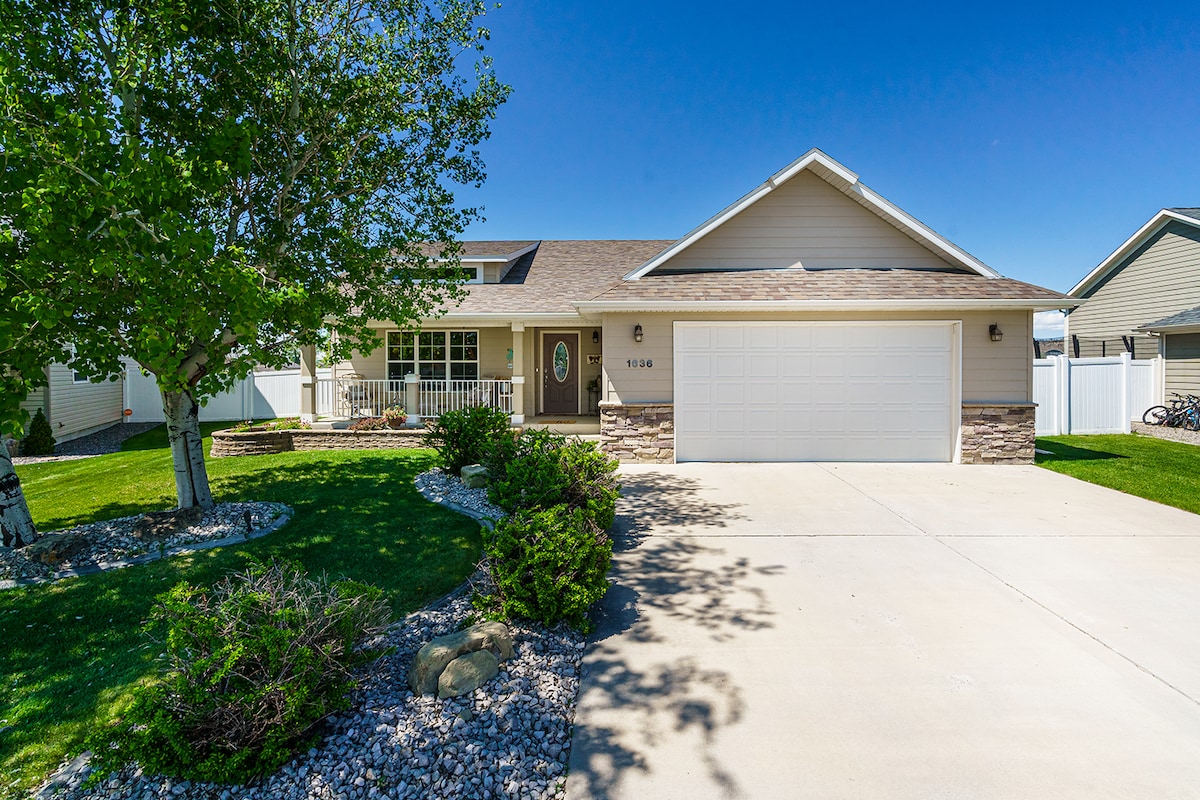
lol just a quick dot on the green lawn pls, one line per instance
(1166, 472)
(73, 649)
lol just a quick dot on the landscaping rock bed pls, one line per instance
(441, 487)
(510, 738)
(1170, 434)
(111, 542)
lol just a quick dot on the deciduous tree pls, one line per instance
(213, 182)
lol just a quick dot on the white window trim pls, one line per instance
(416, 361)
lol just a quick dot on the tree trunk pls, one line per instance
(16, 526)
(187, 449)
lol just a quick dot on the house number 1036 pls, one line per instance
(640, 362)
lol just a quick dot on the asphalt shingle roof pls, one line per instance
(829, 284)
(560, 273)
(1183, 318)
(1194, 213)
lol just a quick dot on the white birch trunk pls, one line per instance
(187, 449)
(16, 525)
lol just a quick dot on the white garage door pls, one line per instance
(814, 391)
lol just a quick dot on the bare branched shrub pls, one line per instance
(253, 665)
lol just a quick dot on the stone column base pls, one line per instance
(998, 433)
(638, 432)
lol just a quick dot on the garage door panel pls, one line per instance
(789, 392)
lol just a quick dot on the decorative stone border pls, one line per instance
(182, 549)
(257, 443)
(638, 432)
(1169, 434)
(998, 433)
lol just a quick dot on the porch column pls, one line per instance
(518, 368)
(308, 384)
(412, 396)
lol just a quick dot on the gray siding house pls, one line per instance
(1139, 298)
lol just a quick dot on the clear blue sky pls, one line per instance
(1037, 137)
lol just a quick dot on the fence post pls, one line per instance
(1126, 388)
(1062, 366)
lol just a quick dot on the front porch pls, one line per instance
(550, 376)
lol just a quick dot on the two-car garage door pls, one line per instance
(811, 391)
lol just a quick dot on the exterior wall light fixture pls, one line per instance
(637, 333)
(595, 337)
(995, 333)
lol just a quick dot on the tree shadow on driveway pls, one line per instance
(669, 588)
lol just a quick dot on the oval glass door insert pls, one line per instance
(562, 362)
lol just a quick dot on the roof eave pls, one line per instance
(618, 306)
(815, 158)
(1105, 267)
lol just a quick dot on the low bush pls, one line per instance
(369, 424)
(39, 441)
(541, 469)
(547, 565)
(252, 665)
(467, 436)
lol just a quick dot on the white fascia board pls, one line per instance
(695, 234)
(497, 320)
(1156, 223)
(627, 306)
(915, 226)
(502, 259)
(1168, 330)
(803, 162)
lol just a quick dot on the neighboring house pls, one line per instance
(1044, 348)
(809, 320)
(1138, 299)
(73, 405)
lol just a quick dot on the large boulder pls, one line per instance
(431, 659)
(467, 673)
(55, 548)
(474, 476)
(161, 524)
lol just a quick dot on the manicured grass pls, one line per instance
(1166, 472)
(73, 649)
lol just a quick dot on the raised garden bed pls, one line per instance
(262, 442)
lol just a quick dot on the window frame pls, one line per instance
(410, 347)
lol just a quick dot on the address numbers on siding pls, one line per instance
(638, 363)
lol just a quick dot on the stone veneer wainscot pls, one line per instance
(638, 432)
(998, 433)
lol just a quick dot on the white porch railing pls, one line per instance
(437, 397)
(357, 397)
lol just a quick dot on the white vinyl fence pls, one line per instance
(263, 395)
(1093, 395)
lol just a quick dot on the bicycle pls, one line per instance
(1184, 412)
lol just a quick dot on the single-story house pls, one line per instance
(1138, 299)
(811, 319)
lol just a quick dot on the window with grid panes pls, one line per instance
(433, 355)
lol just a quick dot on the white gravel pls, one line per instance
(508, 739)
(112, 541)
(438, 485)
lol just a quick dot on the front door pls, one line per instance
(560, 373)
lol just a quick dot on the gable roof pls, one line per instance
(1188, 216)
(845, 181)
(1184, 319)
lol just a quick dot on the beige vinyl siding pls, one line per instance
(35, 400)
(1182, 364)
(991, 371)
(1159, 279)
(77, 409)
(805, 222)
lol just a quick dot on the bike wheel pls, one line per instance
(1191, 420)
(1156, 415)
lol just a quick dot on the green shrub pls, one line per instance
(547, 565)
(39, 441)
(467, 436)
(540, 469)
(253, 665)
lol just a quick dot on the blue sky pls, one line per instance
(1037, 137)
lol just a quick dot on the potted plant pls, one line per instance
(395, 417)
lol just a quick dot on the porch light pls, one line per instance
(595, 337)
(995, 332)
(637, 333)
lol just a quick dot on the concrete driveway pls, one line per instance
(892, 631)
